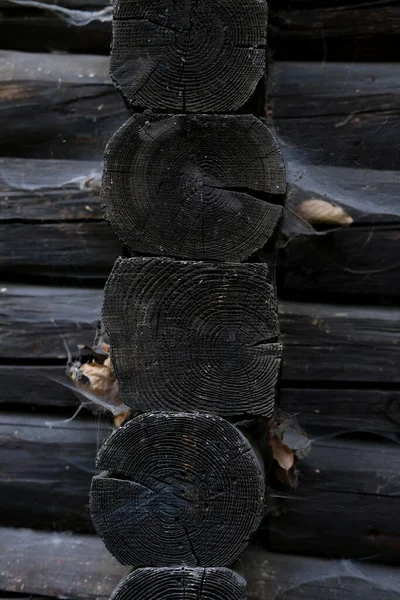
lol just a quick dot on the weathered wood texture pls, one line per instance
(78, 567)
(164, 473)
(184, 187)
(36, 386)
(212, 583)
(46, 468)
(32, 30)
(321, 342)
(345, 31)
(353, 410)
(55, 106)
(57, 564)
(188, 335)
(207, 57)
(346, 505)
(365, 260)
(285, 577)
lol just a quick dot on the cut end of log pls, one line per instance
(177, 488)
(181, 583)
(207, 57)
(195, 187)
(193, 335)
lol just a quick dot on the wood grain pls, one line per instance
(163, 474)
(322, 342)
(78, 567)
(193, 335)
(182, 186)
(207, 57)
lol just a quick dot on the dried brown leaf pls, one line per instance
(283, 455)
(316, 211)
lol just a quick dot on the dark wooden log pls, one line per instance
(49, 190)
(57, 564)
(346, 503)
(285, 577)
(354, 410)
(78, 567)
(166, 473)
(321, 342)
(325, 342)
(372, 410)
(42, 322)
(215, 57)
(184, 187)
(346, 31)
(57, 106)
(339, 88)
(36, 386)
(45, 470)
(363, 261)
(73, 250)
(32, 30)
(193, 335)
(212, 583)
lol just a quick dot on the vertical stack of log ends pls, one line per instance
(194, 186)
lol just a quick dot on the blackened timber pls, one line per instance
(322, 342)
(195, 187)
(207, 57)
(345, 409)
(45, 470)
(193, 335)
(79, 567)
(348, 492)
(174, 583)
(361, 262)
(163, 474)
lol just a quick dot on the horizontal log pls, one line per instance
(181, 186)
(309, 90)
(205, 340)
(75, 250)
(36, 386)
(345, 31)
(347, 497)
(57, 107)
(322, 342)
(74, 567)
(46, 468)
(165, 473)
(351, 410)
(78, 567)
(35, 190)
(372, 410)
(364, 260)
(41, 31)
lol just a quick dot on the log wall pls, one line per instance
(333, 103)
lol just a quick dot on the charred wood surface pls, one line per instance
(352, 410)
(46, 468)
(347, 497)
(163, 474)
(342, 31)
(207, 57)
(364, 260)
(212, 583)
(78, 567)
(186, 187)
(193, 335)
(322, 342)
